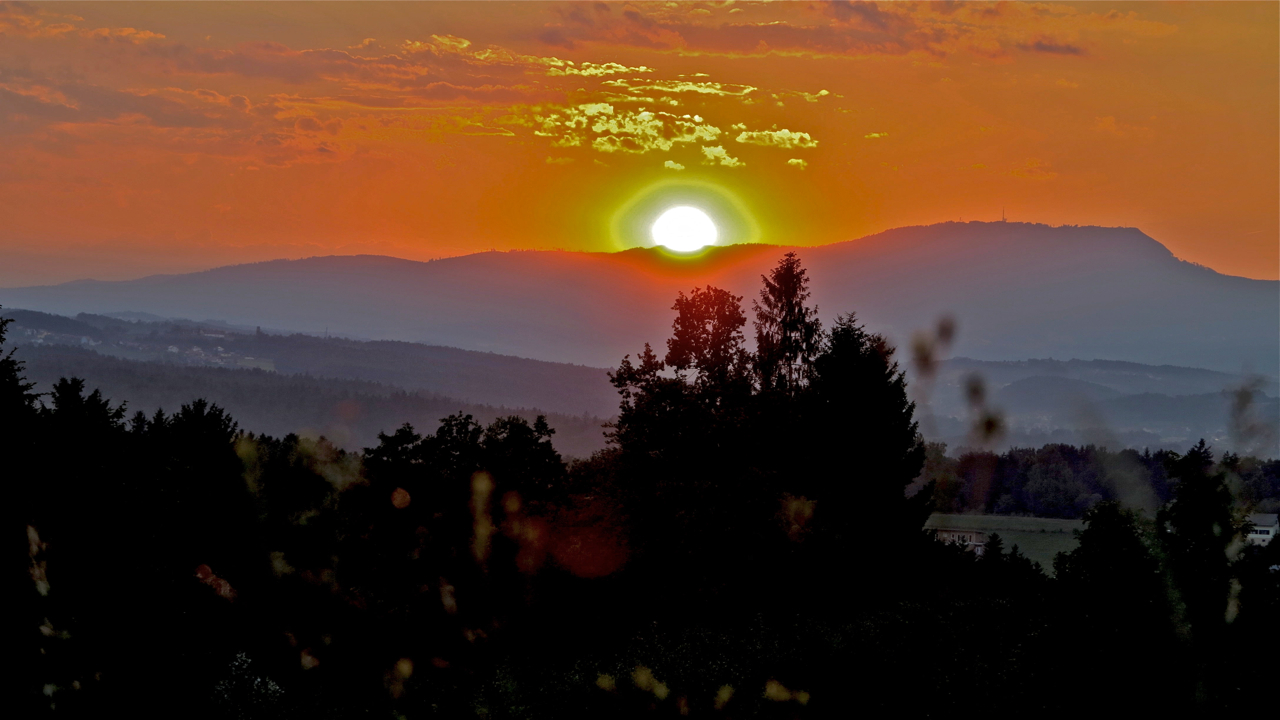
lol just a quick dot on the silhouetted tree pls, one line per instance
(1113, 573)
(867, 444)
(788, 331)
(17, 401)
(522, 460)
(1116, 601)
(707, 337)
(1200, 536)
(1197, 529)
(731, 479)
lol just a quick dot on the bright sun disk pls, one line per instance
(684, 229)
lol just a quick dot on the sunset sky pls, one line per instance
(154, 137)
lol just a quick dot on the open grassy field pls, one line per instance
(1037, 538)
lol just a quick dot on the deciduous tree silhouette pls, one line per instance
(707, 338)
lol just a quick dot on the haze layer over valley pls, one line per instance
(350, 390)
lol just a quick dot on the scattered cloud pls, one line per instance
(1051, 46)
(672, 165)
(607, 129)
(876, 135)
(442, 46)
(559, 160)
(23, 20)
(28, 21)
(593, 70)
(778, 138)
(716, 155)
(28, 100)
(797, 163)
(684, 86)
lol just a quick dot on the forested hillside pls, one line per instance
(349, 413)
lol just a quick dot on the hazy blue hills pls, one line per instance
(48, 322)
(1117, 405)
(465, 375)
(1093, 380)
(1017, 291)
(1029, 395)
(349, 412)
(350, 390)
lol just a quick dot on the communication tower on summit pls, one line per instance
(1002, 217)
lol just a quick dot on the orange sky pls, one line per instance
(158, 137)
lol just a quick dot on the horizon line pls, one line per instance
(692, 256)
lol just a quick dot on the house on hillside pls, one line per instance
(974, 541)
(1265, 527)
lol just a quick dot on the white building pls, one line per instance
(974, 541)
(1265, 527)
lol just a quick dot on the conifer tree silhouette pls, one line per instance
(788, 332)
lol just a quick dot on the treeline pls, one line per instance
(348, 412)
(1064, 481)
(745, 547)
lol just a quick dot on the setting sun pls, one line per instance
(684, 229)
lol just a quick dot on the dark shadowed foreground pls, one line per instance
(745, 547)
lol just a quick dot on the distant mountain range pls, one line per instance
(1016, 290)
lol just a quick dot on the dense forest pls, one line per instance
(749, 544)
(1063, 481)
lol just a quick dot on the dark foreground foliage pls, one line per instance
(744, 548)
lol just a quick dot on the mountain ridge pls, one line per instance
(1017, 290)
(1159, 248)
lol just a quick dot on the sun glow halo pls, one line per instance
(684, 229)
